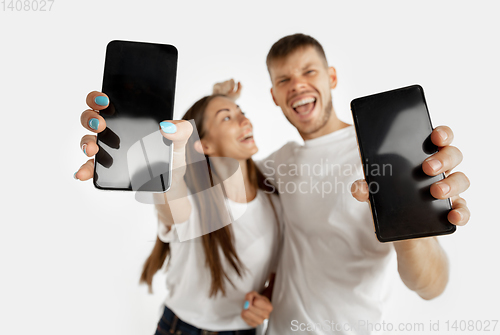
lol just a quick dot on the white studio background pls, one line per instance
(71, 255)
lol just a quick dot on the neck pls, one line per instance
(235, 184)
(333, 124)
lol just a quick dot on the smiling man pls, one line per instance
(333, 274)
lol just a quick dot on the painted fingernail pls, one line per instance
(435, 164)
(445, 188)
(101, 100)
(94, 123)
(443, 134)
(246, 305)
(168, 127)
(84, 148)
(74, 175)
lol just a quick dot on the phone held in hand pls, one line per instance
(139, 79)
(393, 131)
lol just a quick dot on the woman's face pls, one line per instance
(228, 133)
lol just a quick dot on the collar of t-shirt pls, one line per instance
(335, 136)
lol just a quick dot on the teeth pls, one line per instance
(247, 136)
(303, 102)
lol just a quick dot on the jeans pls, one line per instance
(170, 324)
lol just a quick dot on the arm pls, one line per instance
(422, 263)
(179, 135)
(423, 266)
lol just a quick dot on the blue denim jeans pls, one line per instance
(170, 324)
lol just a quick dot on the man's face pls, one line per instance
(302, 85)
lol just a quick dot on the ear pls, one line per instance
(274, 99)
(201, 147)
(332, 73)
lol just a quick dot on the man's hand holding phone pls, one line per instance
(445, 160)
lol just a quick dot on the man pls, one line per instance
(332, 276)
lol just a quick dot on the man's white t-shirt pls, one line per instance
(333, 274)
(256, 242)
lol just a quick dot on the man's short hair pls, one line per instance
(291, 43)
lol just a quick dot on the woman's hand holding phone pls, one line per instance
(91, 120)
(178, 131)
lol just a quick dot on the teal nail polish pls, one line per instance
(101, 100)
(247, 304)
(94, 123)
(168, 127)
(74, 175)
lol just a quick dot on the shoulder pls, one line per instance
(277, 156)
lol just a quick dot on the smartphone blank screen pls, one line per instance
(139, 79)
(393, 130)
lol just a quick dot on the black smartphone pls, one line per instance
(393, 131)
(139, 79)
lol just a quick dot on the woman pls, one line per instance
(213, 280)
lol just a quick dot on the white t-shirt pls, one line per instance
(333, 273)
(188, 278)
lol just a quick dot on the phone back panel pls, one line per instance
(393, 130)
(139, 79)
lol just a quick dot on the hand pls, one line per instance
(91, 120)
(228, 88)
(180, 131)
(258, 309)
(445, 160)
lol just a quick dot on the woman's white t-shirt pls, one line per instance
(256, 240)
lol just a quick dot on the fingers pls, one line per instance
(238, 88)
(229, 88)
(460, 213)
(225, 87)
(359, 190)
(89, 146)
(442, 136)
(91, 120)
(451, 186)
(445, 160)
(97, 100)
(178, 131)
(258, 308)
(86, 171)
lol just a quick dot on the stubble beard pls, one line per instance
(318, 124)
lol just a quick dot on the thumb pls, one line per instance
(178, 131)
(359, 190)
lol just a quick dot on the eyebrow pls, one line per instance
(308, 65)
(222, 110)
(226, 110)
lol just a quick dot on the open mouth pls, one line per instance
(247, 138)
(304, 106)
